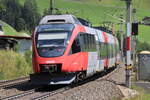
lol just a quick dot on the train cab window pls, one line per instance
(76, 46)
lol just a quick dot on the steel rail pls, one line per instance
(16, 96)
(48, 94)
(7, 83)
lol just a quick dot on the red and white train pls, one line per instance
(65, 51)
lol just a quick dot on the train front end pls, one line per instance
(49, 46)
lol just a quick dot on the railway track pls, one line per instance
(51, 93)
(8, 83)
(13, 97)
(26, 95)
(35, 94)
(48, 94)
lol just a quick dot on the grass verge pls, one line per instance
(13, 65)
(143, 95)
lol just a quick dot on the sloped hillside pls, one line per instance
(98, 11)
(8, 30)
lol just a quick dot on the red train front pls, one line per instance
(63, 51)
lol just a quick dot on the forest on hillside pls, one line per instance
(25, 15)
(21, 17)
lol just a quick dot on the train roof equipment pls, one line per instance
(49, 19)
(103, 29)
(85, 22)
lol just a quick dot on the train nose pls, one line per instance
(51, 68)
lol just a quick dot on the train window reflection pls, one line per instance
(48, 40)
(51, 44)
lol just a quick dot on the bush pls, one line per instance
(13, 65)
(142, 46)
(28, 57)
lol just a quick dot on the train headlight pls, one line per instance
(50, 68)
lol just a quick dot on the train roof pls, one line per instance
(59, 19)
(68, 18)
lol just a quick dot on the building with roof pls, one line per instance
(9, 41)
(146, 21)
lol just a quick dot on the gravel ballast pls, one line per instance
(101, 89)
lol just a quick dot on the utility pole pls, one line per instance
(128, 43)
(134, 38)
(122, 35)
(52, 7)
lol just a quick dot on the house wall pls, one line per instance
(24, 45)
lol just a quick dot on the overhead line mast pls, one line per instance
(52, 8)
(128, 43)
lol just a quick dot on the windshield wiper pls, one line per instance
(51, 46)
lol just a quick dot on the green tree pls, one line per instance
(20, 24)
(18, 16)
(142, 46)
(11, 11)
(46, 12)
(2, 10)
(30, 14)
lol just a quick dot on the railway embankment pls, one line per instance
(109, 87)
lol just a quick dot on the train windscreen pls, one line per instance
(52, 39)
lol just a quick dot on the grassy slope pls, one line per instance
(142, 96)
(8, 30)
(13, 65)
(97, 12)
(94, 9)
(144, 33)
(88, 9)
